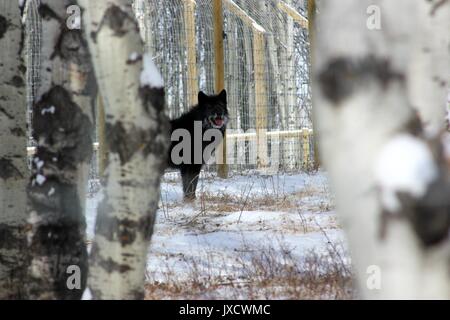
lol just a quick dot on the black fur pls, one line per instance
(209, 110)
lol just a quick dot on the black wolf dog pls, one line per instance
(210, 113)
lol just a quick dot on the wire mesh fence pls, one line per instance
(32, 55)
(266, 73)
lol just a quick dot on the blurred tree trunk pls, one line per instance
(391, 179)
(62, 127)
(13, 157)
(273, 58)
(137, 130)
(292, 109)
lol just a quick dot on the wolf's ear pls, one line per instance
(202, 97)
(223, 95)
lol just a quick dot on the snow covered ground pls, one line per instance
(240, 228)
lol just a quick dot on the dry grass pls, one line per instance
(222, 202)
(254, 271)
(264, 273)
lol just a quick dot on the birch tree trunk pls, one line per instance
(62, 127)
(391, 180)
(13, 157)
(273, 56)
(137, 129)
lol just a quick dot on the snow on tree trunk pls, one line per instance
(391, 189)
(13, 157)
(62, 127)
(137, 130)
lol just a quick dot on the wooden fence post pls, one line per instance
(294, 14)
(306, 149)
(311, 19)
(260, 99)
(221, 154)
(191, 52)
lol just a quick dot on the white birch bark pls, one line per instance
(62, 127)
(362, 81)
(13, 157)
(137, 131)
(287, 74)
(428, 71)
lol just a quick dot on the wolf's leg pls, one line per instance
(190, 176)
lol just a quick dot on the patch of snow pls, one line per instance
(150, 75)
(405, 164)
(216, 240)
(51, 192)
(133, 56)
(33, 218)
(51, 110)
(39, 164)
(40, 179)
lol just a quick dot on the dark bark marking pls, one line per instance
(111, 266)
(123, 230)
(8, 170)
(414, 126)
(6, 113)
(18, 132)
(4, 24)
(429, 215)
(342, 76)
(71, 46)
(436, 6)
(441, 82)
(17, 82)
(48, 13)
(11, 236)
(116, 19)
(127, 142)
(67, 130)
(154, 99)
(62, 206)
(59, 236)
(22, 69)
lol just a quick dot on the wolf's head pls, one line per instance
(215, 112)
